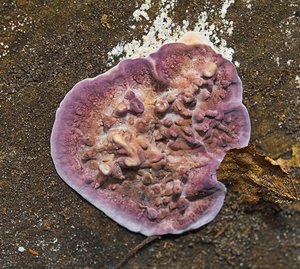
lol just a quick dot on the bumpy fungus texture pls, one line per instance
(143, 141)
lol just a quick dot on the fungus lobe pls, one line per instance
(143, 141)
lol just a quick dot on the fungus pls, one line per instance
(142, 142)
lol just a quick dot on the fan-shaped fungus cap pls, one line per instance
(142, 142)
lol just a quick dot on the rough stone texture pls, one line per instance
(67, 43)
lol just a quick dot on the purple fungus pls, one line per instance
(142, 142)
(136, 106)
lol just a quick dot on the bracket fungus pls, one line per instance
(142, 142)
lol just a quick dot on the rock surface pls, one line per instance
(54, 44)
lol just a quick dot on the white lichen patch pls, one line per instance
(276, 60)
(141, 12)
(163, 29)
(226, 5)
(21, 249)
(248, 4)
(237, 64)
(297, 79)
(4, 49)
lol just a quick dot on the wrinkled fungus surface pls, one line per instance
(142, 142)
